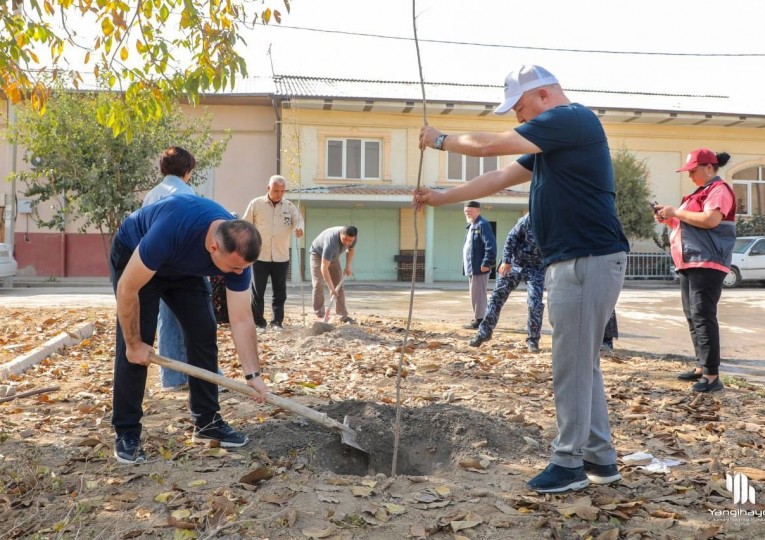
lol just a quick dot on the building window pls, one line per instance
(353, 158)
(749, 187)
(464, 168)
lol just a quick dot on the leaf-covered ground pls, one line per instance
(475, 425)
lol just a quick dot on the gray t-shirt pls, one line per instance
(328, 245)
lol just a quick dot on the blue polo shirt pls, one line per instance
(572, 200)
(170, 236)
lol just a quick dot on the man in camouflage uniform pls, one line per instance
(520, 259)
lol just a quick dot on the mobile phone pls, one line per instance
(654, 204)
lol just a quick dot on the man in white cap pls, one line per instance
(565, 155)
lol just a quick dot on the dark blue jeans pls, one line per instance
(261, 271)
(189, 299)
(700, 289)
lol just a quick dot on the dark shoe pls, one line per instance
(532, 347)
(127, 449)
(557, 479)
(705, 386)
(691, 375)
(220, 431)
(347, 320)
(601, 474)
(607, 345)
(477, 340)
(474, 324)
(276, 325)
(261, 327)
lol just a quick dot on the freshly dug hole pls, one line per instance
(432, 438)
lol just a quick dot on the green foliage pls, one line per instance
(750, 226)
(88, 175)
(633, 196)
(154, 51)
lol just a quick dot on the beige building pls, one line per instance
(349, 150)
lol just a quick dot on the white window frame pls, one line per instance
(344, 158)
(748, 183)
(481, 166)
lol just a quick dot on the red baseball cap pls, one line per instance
(702, 156)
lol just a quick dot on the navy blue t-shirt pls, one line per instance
(572, 200)
(170, 235)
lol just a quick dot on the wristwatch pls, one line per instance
(252, 375)
(439, 144)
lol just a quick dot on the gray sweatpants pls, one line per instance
(317, 279)
(478, 284)
(581, 294)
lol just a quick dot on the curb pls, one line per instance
(19, 365)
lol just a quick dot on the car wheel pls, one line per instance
(733, 279)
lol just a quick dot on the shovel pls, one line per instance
(347, 435)
(332, 299)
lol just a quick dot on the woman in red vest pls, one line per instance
(703, 234)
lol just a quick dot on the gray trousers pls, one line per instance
(478, 284)
(317, 280)
(581, 295)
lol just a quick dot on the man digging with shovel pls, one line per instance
(164, 250)
(325, 268)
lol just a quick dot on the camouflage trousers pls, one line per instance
(535, 282)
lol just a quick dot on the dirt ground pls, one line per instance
(475, 425)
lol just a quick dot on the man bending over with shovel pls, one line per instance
(325, 268)
(164, 250)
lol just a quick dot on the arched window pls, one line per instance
(749, 187)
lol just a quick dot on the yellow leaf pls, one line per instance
(124, 53)
(163, 497)
(181, 513)
(395, 508)
(107, 27)
(184, 534)
(197, 483)
(443, 490)
(359, 491)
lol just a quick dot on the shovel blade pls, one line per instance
(348, 436)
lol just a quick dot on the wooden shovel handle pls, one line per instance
(242, 388)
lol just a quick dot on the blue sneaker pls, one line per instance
(127, 449)
(557, 479)
(219, 430)
(601, 474)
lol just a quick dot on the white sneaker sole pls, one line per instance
(603, 480)
(573, 486)
(202, 439)
(127, 461)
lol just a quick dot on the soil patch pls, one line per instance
(475, 425)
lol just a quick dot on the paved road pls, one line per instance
(650, 315)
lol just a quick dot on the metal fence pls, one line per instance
(649, 266)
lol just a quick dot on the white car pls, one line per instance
(748, 261)
(8, 264)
